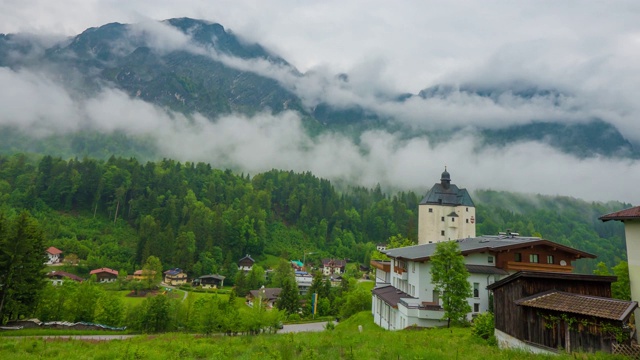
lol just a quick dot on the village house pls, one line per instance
(265, 296)
(404, 295)
(631, 219)
(54, 255)
(409, 298)
(304, 281)
(246, 263)
(209, 281)
(143, 274)
(58, 277)
(104, 275)
(175, 277)
(333, 267)
(542, 312)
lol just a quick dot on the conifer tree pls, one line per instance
(22, 258)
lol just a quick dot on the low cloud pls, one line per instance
(265, 141)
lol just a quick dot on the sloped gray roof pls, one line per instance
(485, 269)
(439, 195)
(485, 243)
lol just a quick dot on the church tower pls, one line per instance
(446, 213)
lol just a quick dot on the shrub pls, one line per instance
(483, 326)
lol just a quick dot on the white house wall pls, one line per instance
(431, 226)
(418, 284)
(632, 234)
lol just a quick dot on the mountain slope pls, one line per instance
(193, 66)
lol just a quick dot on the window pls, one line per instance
(476, 289)
(550, 259)
(442, 218)
(430, 210)
(533, 258)
(517, 257)
(442, 232)
(490, 259)
(467, 221)
(476, 307)
(467, 209)
(453, 219)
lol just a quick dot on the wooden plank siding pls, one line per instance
(507, 259)
(509, 316)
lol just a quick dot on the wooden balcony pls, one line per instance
(526, 266)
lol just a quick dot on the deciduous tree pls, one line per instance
(450, 277)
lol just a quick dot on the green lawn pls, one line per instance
(345, 342)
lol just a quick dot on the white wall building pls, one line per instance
(631, 219)
(446, 213)
(410, 298)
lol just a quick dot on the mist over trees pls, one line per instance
(117, 213)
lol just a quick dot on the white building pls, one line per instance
(631, 219)
(54, 255)
(410, 299)
(446, 213)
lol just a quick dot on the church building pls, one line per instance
(446, 213)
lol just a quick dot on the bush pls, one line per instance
(483, 326)
(330, 326)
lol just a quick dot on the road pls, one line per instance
(308, 327)
(293, 328)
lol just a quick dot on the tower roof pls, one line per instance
(445, 193)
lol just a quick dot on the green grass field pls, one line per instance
(345, 342)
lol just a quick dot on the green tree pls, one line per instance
(621, 289)
(450, 277)
(109, 309)
(289, 299)
(152, 272)
(22, 258)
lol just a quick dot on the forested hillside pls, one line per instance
(116, 213)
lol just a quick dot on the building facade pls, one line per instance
(631, 219)
(410, 298)
(446, 213)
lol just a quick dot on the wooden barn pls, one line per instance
(544, 312)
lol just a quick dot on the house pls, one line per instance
(143, 274)
(58, 277)
(331, 266)
(175, 277)
(631, 219)
(264, 296)
(381, 247)
(446, 213)
(544, 311)
(105, 275)
(383, 271)
(246, 263)
(304, 281)
(297, 265)
(209, 281)
(54, 255)
(407, 297)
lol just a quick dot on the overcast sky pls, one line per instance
(588, 49)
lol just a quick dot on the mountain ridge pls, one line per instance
(122, 56)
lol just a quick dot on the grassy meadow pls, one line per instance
(345, 342)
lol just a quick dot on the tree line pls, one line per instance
(118, 212)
